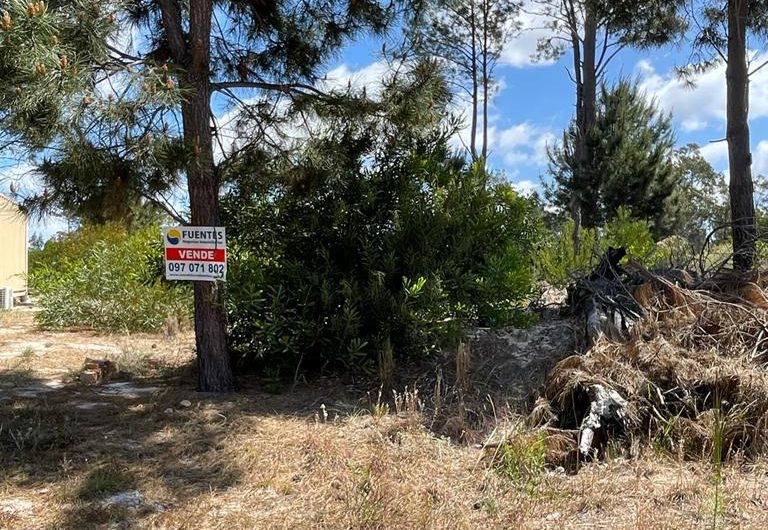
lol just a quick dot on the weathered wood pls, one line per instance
(606, 407)
(604, 301)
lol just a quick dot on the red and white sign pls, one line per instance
(195, 253)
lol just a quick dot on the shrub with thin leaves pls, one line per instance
(105, 278)
(558, 264)
(374, 237)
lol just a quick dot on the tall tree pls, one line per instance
(741, 188)
(724, 28)
(631, 162)
(595, 31)
(164, 74)
(467, 38)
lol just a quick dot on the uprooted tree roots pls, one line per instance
(668, 358)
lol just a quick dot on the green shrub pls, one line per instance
(557, 262)
(632, 234)
(371, 241)
(559, 265)
(105, 278)
(522, 458)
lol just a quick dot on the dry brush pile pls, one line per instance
(669, 359)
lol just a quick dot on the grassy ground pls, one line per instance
(321, 456)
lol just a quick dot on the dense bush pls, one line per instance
(103, 277)
(558, 264)
(375, 239)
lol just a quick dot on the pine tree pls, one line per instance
(631, 165)
(725, 29)
(467, 38)
(595, 31)
(189, 58)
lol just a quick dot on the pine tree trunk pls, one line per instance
(486, 80)
(473, 36)
(589, 104)
(193, 55)
(739, 156)
(584, 50)
(578, 143)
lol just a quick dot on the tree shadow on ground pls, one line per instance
(82, 445)
(87, 444)
(157, 437)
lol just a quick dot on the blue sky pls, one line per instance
(535, 103)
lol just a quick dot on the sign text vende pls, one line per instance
(197, 253)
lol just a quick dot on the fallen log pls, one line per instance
(672, 356)
(604, 301)
(607, 408)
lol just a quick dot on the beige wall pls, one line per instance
(13, 247)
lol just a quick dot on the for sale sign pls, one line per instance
(195, 253)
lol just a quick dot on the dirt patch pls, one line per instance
(512, 364)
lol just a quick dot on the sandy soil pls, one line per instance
(150, 452)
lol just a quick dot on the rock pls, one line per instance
(185, 403)
(554, 516)
(90, 405)
(132, 500)
(169, 411)
(126, 390)
(90, 377)
(103, 369)
(16, 506)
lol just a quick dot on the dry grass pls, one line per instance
(315, 458)
(693, 371)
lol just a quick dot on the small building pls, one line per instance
(13, 247)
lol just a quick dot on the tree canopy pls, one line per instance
(161, 107)
(631, 166)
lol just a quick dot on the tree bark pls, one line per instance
(193, 56)
(473, 36)
(588, 102)
(578, 144)
(743, 228)
(486, 80)
(586, 96)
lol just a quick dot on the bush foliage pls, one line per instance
(558, 264)
(106, 278)
(376, 238)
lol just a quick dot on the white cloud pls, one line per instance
(369, 77)
(521, 144)
(526, 187)
(703, 104)
(694, 107)
(716, 153)
(760, 159)
(520, 51)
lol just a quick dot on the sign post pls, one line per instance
(196, 253)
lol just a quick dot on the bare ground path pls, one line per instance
(150, 452)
